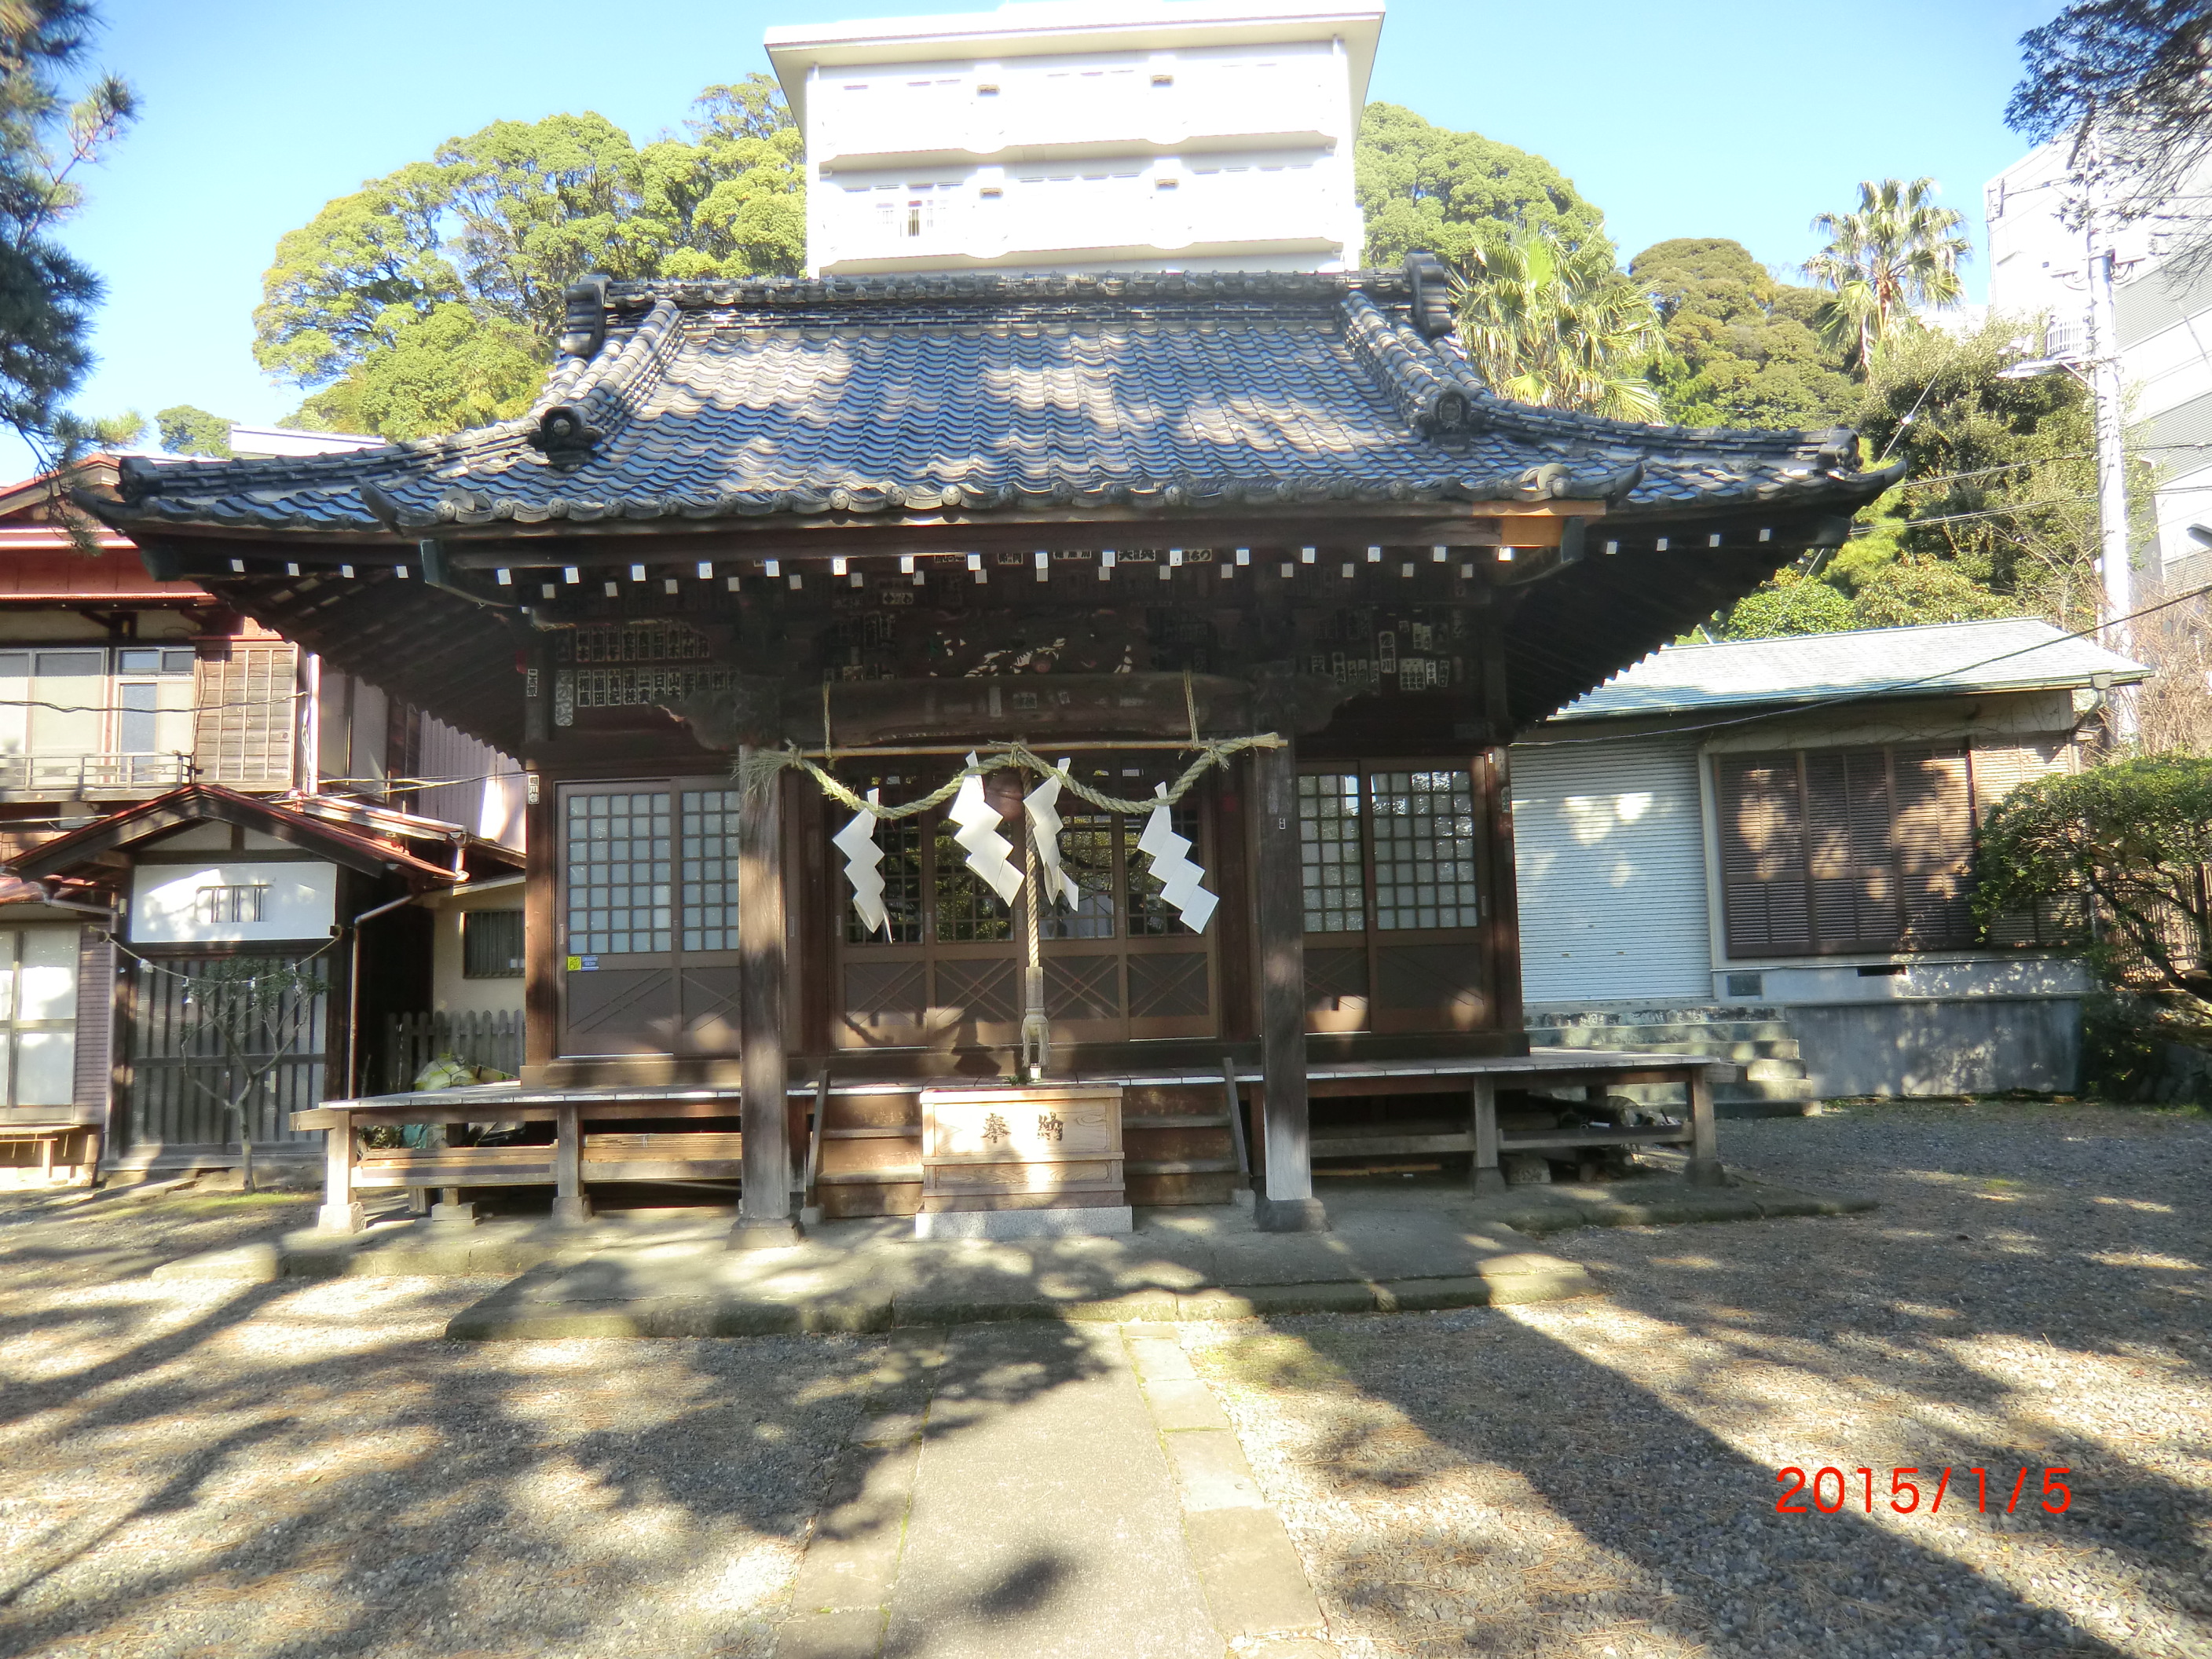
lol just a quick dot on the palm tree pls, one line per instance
(1897, 252)
(1559, 327)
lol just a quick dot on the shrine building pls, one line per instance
(960, 668)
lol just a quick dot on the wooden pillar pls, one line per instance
(1286, 1204)
(341, 1213)
(571, 1208)
(1484, 1177)
(1704, 1141)
(764, 1217)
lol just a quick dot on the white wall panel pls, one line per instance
(1608, 849)
(299, 900)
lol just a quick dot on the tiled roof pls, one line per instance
(714, 400)
(2010, 654)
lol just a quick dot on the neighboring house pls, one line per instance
(2163, 320)
(201, 873)
(117, 686)
(1193, 137)
(1729, 838)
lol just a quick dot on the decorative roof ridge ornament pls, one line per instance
(1430, 280)
(1422, 382)
(584, 326)
(564, 437)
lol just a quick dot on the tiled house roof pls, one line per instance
(702, 401)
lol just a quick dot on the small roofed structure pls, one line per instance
(833, 536)
(1768, 846)
(203, 874)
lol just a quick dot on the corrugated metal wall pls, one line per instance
(1608, 849)
(488, 801)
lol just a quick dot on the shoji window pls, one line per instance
(650, 917)
(1389, 856)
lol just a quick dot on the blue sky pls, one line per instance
(1704, 118)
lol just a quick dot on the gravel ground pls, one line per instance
(241, 1470)
(1598, 1478)
(288, 1470)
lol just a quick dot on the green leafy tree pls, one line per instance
(187, 429)
(1553, 324)
(124, 431)
(494, 227)
(1742, 349)
(1424, 188)
(1896, 251)
(1791, 604)
(2134, 835)
(1996, 515)
(255, 1011)
(2133, 78)
(2001, 475)
(446, 370)
(46, 295)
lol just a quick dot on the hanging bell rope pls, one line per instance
(757, 769)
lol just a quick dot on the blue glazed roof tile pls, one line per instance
(878, 396)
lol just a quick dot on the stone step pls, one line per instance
(1713, 1049)
(1646, 1036)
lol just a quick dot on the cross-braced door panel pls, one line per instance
(948, 927)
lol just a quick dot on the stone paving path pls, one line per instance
(1033, 1490)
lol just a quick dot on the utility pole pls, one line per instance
(2106, 390)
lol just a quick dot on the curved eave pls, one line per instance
(473, 513)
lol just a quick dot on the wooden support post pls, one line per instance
(1704, 1142)
(571, 1208)
(1287, 1204)
(1484, 1176)
(340, 1212)
(764, 1218)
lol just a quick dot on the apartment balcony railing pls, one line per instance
(56, 777)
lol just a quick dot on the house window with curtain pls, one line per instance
(1839, 851)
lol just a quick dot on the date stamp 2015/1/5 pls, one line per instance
(1904, 1494)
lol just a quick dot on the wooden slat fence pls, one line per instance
(413, 1041)
(167, 1057)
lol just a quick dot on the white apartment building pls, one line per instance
(2164, 324)
(1196, 135)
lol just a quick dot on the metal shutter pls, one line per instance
(1610, 861)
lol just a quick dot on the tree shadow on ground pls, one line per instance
(1977, 1320)
(310, 1468)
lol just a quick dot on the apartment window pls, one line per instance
(491, 945)
(229, 904)
(1829, 850)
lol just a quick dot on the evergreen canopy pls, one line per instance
(428, 300)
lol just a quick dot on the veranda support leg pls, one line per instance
(1485, 1176)
(1704, 1143)
(340, 1212)
(570, 1206)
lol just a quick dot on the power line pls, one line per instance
(2002, 512)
